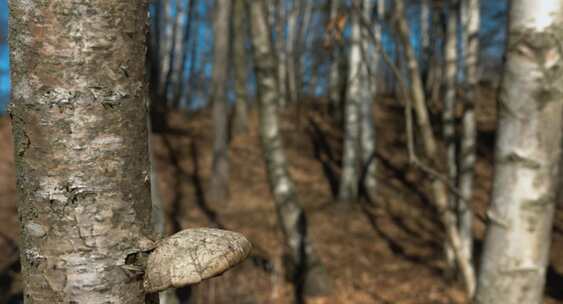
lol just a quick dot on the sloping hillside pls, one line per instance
(388, 251)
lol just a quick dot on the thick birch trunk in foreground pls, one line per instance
(431, 154)
(79, 124)
(219, 184)
(469, 125)
(303, 265)
(527, 155)
(348, 189)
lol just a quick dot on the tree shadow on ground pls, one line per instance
(323, 152)
(398, 247)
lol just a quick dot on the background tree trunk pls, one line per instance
(219, 184)
(302, 263)
(349, 178)
(240, 124)
(368, 93)
(469, 126)
(291, 48)
(79, 124)
(439, 189)
(281, 52)
(334, 80)
(176, 63)
(448, 114)
(166, 46)
(515, 256)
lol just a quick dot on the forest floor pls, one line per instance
(387, 251)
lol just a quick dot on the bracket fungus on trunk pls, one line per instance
(193, 255)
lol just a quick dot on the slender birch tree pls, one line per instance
(470, 22)
(219, 184)
(430, 148)
(291, 49)
(165, 47)
(280, 41)
(240, 124)
(527, 154)
(369, 92)
(448, 114)
(348, 189)
(302, 263)
(334, 80)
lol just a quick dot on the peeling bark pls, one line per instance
(79, 124)
(515, 256)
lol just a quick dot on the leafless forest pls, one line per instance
(271, 151)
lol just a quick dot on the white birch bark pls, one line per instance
(334, 81)
(469, 126)
(447, 216)
(367, 94)
(166, 44)
(448, 116)
(302, 264)
(527, 154)
(176, 62)
(291, 44)
(280, 43)
(348, 189)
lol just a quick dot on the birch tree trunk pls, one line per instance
(334, 80)
(513, 266)
(166, 45)
(176, 62)
(240, 124)
(291, 44)
(348, 189)
(469, 127)
(367, 94)
(180, 87)
(302, 263)
(282, 53)
(425, 21)
(79, 124)
(219, 184)
(439, 189)
(448, 116)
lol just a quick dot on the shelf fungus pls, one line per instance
(193, 255)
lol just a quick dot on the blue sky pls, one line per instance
(4, 61)
(493, 19)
